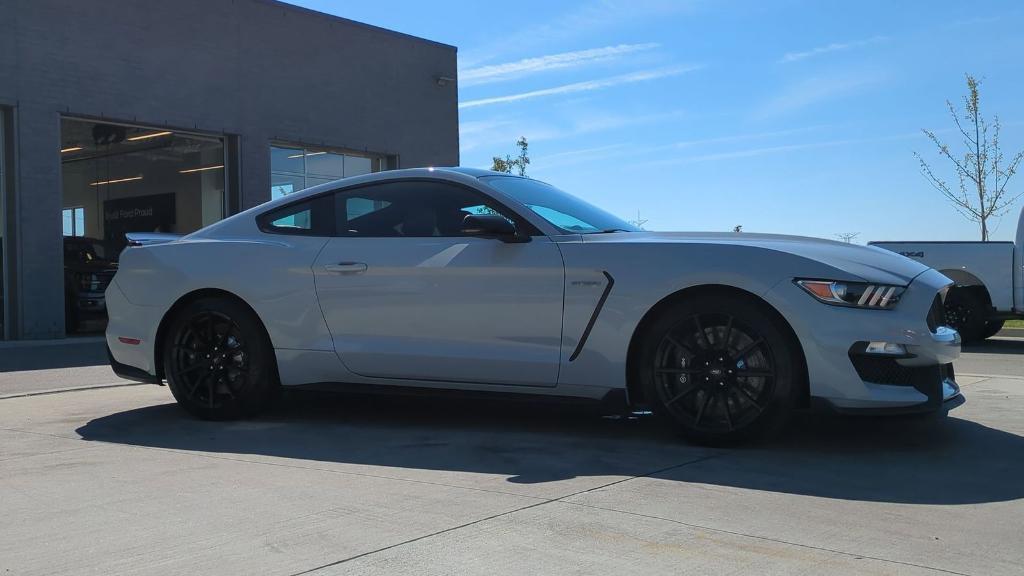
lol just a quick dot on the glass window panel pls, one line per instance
(296, 168)
(559, 208)
(286, 160)
(409, 209)
(285, 184)
(314, 181)
(79, 221)
(69, 223)
(355, 166)
(325, 164)
(298, 217)
(356, 207)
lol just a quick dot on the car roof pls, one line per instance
(447, 173)
(475, 172)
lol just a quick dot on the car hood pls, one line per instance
(92, 267)
(866, 263)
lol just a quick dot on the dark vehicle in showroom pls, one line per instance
(89, 265)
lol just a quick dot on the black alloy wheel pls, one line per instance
(217, 360)
(720, 369)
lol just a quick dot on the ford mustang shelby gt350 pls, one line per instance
(455, 278)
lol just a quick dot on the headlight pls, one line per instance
(855, 294)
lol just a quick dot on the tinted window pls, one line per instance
(311, 217)
(557, 207)
(411, 209)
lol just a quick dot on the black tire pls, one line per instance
(218, 360)
(719, 369)
(992, 327)
(965, 312)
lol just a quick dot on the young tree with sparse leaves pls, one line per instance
(520, 162)
(982, 172)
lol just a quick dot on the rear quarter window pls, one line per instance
(312, 217)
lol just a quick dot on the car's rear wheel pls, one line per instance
(965, 312)
(719, 369)
(992, 327)
(218, 360)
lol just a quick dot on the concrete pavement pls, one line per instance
(34, 367)
(114, 481)
(1001, 356)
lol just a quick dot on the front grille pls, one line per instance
(103, 280)
(883, 370)
(936, 314)
(879, 370)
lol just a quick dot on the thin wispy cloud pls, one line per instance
(580, 156)
(539, 64)
(743, 136)
(833, 47)
(633, 150)
(777, 149)
(586, 86)
(810, 91)
(589, 18)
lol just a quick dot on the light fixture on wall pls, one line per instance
(443, 80)
(148, 136)
(70, 149)
(203, 169)
(118, 181)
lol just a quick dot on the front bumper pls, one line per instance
(937, 383)
(843, 376)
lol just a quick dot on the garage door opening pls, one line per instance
(118, 179)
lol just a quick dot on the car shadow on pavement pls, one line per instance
(901, 460)
(995, 346)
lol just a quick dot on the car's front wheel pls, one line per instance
(218, 360)
(719, 368)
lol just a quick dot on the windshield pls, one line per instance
(84, 251)
(561, 209)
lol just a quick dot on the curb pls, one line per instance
(72, 341)
(1011, 332)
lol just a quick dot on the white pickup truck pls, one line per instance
(989, 279)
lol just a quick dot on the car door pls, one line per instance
(407, 295)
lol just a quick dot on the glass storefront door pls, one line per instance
(119, 179)
(3, 222)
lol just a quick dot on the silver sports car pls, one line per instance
(454, 278)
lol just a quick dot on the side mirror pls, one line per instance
(491, 226)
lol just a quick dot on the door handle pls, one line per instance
(346, 267)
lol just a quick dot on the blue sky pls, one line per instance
(788, 116)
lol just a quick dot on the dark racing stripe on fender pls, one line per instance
(594, 315)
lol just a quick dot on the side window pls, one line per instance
(311, 218)
(413, 209)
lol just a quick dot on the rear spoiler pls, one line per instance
(150, 238)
